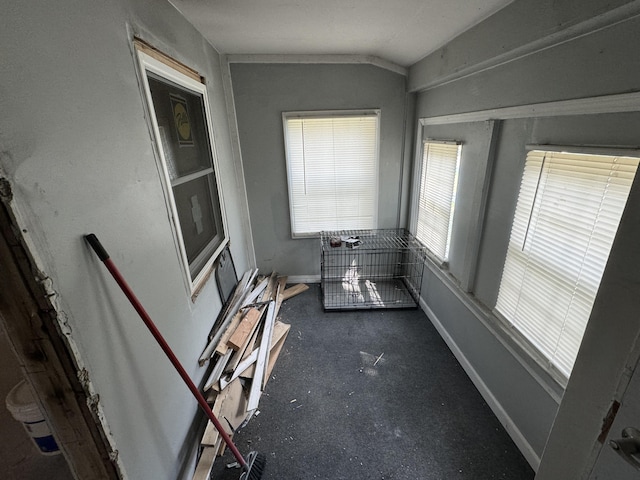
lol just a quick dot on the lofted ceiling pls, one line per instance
(398, 31)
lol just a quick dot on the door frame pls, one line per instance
(31, 322)
(607, 359)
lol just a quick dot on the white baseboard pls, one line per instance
(516, 435)
(303, 279)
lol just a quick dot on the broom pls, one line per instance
(253, 466)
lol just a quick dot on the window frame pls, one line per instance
(421, 162)
(166, 68)
(543, 360)
(330, 114)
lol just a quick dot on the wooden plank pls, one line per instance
(239, 355)
(255, 293)
(222, 346)
(217, 370)
(234, 407)
(243, 332)
(263, 355)
(210, 437)
(295, 290)
(276, 348)
(239, 372)
(236, 359)
(166, 59)
(238, 295)
(220, 447)
(234, 410)
(247, 368)
(248, 298)
(205, 464)
(280, 331)
(231, 409)
(251, 344)
(243, 291)
(271, 288)
(282, 285)
(223, 343)
(211, 396)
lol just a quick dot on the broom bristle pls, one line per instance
(255, 466)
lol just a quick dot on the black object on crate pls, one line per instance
(371, 269)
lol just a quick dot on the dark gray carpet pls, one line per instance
(331, 412)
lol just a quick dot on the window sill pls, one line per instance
(196, 286)
(303, 236)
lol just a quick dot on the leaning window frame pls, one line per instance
(147, 63)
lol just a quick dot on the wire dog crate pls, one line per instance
(367, 269)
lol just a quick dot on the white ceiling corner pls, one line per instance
(401, 32)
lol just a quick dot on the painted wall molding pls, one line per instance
(236, 150)
(620, 103)
(320, 59)
(292, 279)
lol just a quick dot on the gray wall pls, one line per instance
(510, 382)
(262, 92)
(75, 145)
(581, 65)
(526, 26)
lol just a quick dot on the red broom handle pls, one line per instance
(104, 257)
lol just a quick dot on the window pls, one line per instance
(181, 124)
(332, 170)
(566, 218)
(436, 203)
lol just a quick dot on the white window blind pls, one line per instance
(436, 204)
(566, 218)
(332, 167)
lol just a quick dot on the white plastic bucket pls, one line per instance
(21, 404)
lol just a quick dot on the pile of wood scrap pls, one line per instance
(243, 351)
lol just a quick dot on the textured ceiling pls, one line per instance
(401, 31)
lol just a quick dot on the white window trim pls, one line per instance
(149, 64)
(323, 114)
(484, 160)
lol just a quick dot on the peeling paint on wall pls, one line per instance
(93, 398)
